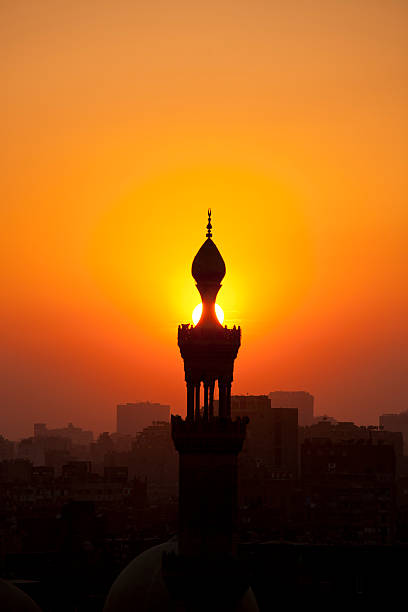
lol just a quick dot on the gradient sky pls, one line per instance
(122, 121)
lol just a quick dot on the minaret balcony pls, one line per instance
(187, 334)
(219, 435)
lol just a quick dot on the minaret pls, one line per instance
(198, 570)
(208, 443)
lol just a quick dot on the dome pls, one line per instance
(141, 586)
(13, 599)
(208, 265)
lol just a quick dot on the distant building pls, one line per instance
(153, 458)
(349, 491)
(78, 471)
(324, 417)
(122, 442)
(103, 446)
(30, 449)
(345, 431)
(116, 473)
(52, 451)
(42, 474)
(133, 418)
(249, 405)
(40, 430)
(301, 400)
(6, 449)
(397, 422)
(16, 471)
(322, 457)
(272, 434)
(78, 436)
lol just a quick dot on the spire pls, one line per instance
(209, 226)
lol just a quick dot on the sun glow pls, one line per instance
(199, 309)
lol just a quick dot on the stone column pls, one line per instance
(197, 401)
(228, 400)
(190, 401)
(222, 398)
(205, 414)
(211, 406)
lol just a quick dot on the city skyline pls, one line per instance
(302, 401)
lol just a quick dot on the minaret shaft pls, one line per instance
(208, 443)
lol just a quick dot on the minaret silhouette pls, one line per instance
(198, 569)
(208, 446)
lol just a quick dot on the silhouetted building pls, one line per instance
(301, 400)
(122, 442)
(397, 422)
(251, 406)
(324, 417)
(15, 470)
(99, 449)
(350, 491)
(78, 436)
(268, 464)
(133, 418)
(346, 431)
(56, 447)
(29, 448)
(116, 473)
(42, 474)
(40, 430)
(272, 435)
(6, 449)
(78, 471)
(322, 457)
(153, 458)
(51, 451)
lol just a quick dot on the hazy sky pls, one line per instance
(122, 121)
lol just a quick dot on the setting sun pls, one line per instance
(199, 309)
(148, 115)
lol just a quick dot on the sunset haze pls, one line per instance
(123, 122)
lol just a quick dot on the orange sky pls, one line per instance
(123, 121)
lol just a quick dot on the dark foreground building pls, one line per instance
(198, 569)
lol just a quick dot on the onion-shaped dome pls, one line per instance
(208, 264)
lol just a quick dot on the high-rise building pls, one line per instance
(132, 418)
(272, 435)
(302, 400)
